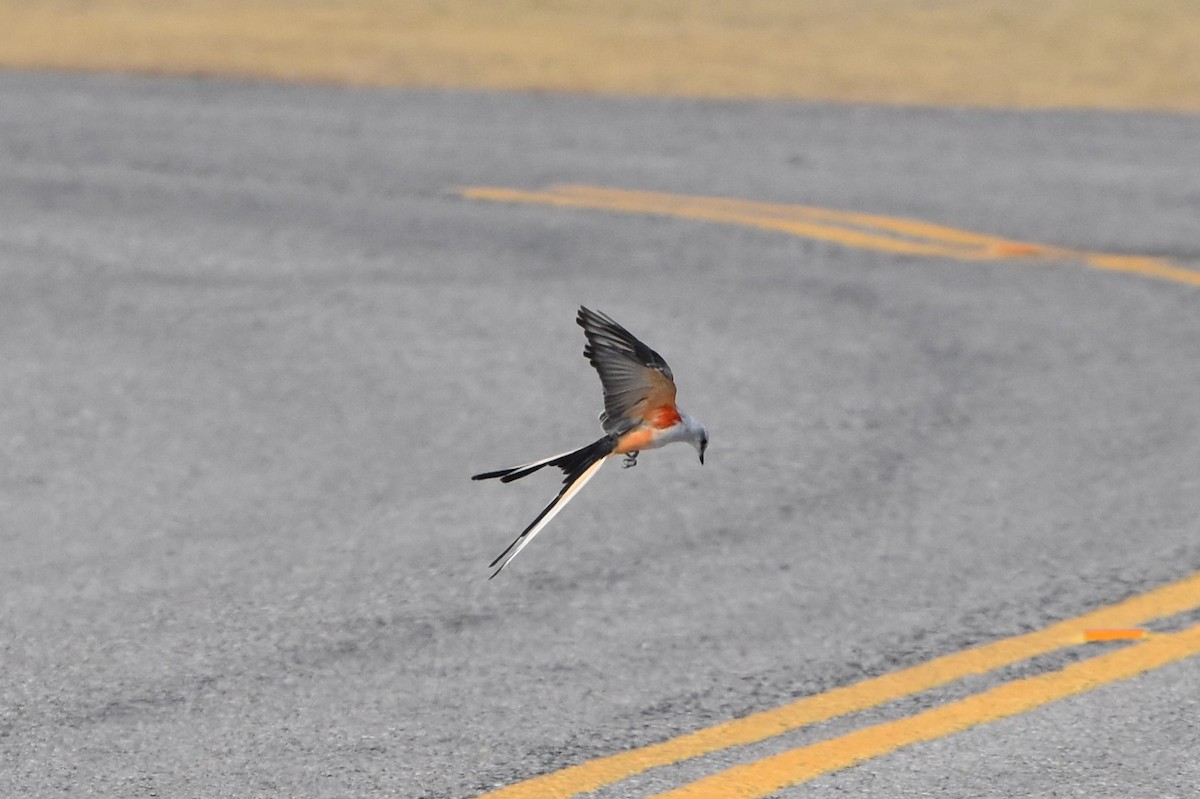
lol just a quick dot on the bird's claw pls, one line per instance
(630, 460)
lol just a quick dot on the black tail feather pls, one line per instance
(573, 464)
(490, 475)
(517, 474)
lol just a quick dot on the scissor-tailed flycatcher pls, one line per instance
(639, 413)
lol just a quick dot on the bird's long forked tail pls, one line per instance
(578, 466)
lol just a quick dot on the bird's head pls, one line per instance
(698, 435)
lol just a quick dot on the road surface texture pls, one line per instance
(254, 340)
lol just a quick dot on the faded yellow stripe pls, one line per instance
(1146, 267)
(1166, 601)
(772, 774)
(705, 210)
(906, 227)
(851, 229)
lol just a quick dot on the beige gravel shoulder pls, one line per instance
(1011, 53)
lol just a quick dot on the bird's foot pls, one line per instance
(630, 460)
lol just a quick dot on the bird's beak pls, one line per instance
(701, 458)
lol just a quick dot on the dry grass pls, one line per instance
(1025, 53)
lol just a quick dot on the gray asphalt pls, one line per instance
(252, 345)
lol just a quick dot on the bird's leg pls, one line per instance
(630, 460)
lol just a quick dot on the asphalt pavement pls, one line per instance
(253, 343)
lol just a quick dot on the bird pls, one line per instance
(639, 414)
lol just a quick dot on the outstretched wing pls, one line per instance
(638, 385)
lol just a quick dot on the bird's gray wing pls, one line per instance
(638, 384)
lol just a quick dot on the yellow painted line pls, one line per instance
(851, 229)
(764, 777)
(910, 228)
(593, 774)
(1146, 267)
(701, 209)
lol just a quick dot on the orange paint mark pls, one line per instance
(1093, 636)
(1019, 250)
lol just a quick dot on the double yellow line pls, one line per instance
(869, 231)
(763, 777)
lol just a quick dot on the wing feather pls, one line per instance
(637, 380)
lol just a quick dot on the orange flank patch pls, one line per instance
(663, 417)
(642, 436)
(635, 440)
